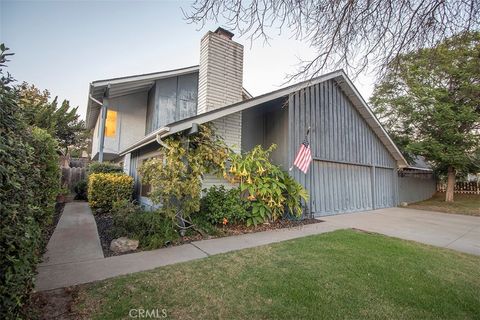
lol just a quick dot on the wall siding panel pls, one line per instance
(348, 156)
(416, 187)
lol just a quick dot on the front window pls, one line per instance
(111, 124)
(146, 188)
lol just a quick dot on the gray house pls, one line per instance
(356, 165)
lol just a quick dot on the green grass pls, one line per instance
(343, 274)
(468, 204)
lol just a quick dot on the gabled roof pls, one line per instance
(129, 85)
(339, 76)
(126, 85)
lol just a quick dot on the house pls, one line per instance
(355, 163)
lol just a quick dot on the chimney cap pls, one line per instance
(224, 32)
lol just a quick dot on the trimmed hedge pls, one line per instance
(29, 180)
(106, 188)
(104, 167)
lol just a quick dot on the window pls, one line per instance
(111, 123)
(146, 188)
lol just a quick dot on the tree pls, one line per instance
(431, 100)
(348, 34)
(62, 122)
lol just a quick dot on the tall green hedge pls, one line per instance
(29, 181)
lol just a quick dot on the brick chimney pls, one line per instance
(221, 71)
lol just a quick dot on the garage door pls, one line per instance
(340, 188)
(384, 188)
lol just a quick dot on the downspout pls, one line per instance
(159, 135)
(103, 119)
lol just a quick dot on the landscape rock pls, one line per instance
(404, 204)
(123, 244)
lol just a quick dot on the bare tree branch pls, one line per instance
(349, 34)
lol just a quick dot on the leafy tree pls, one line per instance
(432, 102)
(61, 121)
(348, 34)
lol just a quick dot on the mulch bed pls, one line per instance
(105, 231)
(279, 224)
(105, 227)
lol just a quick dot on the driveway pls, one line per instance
(453, 231)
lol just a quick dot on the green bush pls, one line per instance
(106, 188)
(151, 228)
(28, 183)
(104, 167)
(47, 182)
(219, 204)
(81, 190)
(271, 191)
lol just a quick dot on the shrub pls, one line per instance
(81, 190)
(47, 182)
(104, 167)
(28, 181)
(151, 228)
(219, 204)
(270, 190)
(106, 188)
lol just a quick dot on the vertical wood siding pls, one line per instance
(171, 100)
(352, 170)
(416, 187)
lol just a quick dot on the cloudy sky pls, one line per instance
(64, 45)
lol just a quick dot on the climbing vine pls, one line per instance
(176, 174)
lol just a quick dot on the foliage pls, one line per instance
(269, 189)
(176, 181)
(353, 35)
(431, 101)
(47, 181)
(104, 167)
(28, 181)
(221, 206)
(62, 122)
(81, 190)
(152, 229)
(106, 188)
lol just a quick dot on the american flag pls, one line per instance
(304, 157)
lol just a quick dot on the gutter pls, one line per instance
(154, 136)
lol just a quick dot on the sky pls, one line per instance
(62, 46)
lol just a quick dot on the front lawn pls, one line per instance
(343, 274)
(468, 204)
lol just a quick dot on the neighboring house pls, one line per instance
(355, 162)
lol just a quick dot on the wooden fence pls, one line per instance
(73, 171)
(461, 187)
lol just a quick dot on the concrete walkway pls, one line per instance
(68, 274)
(453, 231)
(457, 232)
(75, 238)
